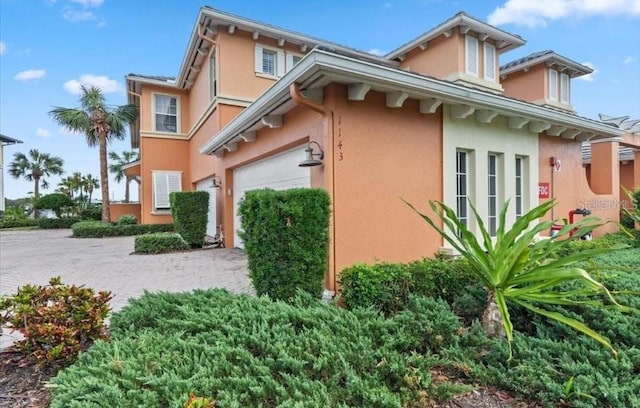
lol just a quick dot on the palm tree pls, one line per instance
(65, 186)
(89, 183)
(116, 168)
(35, 167)
(100, 124)
(76, 185)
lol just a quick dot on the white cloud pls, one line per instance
(589, 77)
(377, 51)
(3, 48)
(42, 132)
(538, 13)
(106, 84)
(88, 3)
(78, 15)
(629, 60)
(30, 74)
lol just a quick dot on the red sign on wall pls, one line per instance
(544, 190)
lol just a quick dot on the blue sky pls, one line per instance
(49, 47)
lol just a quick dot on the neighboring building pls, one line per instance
(434, 119)
(4, 141)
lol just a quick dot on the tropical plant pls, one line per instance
(100, 124)
(517, 266)
(89, 183)
(35, 166)
(66, 186)
(57, 202)
(118, 172)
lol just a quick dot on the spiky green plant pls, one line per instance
(518, 266)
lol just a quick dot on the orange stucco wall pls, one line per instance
(570, 186)
(442, 57)
(117, 210)
(627, 179)
(528, 86)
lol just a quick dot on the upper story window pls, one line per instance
(553, 84)
(269, 62)
(564, 88)
(292, 59)
(471, 55)
(165, 113)
(489, 62)
(212, 74)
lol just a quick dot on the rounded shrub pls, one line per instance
(127, 219)
(160, 242)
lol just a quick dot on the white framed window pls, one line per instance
(489, 62)
(165, 183)
(471, 55)
(270, 62)
(165, 113)
(564, 88)
(492, 194)
(519, 186)
(212, 74)
(553, 84)
(292, 60)
(462, 186)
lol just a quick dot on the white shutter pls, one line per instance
(471, 55)
(280, 68)
(289, 62)
(258, 59)
(553, 84)
(489, 62)
(564, 88)
(164, 183)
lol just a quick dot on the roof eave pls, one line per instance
(579, 69)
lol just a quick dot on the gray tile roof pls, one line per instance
(155, 77)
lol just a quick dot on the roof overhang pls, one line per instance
(321, 68)
(551, 60)
(504, 40)
(6, 140)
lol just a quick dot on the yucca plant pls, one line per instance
(516, 265)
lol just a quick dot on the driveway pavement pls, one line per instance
(107, 264)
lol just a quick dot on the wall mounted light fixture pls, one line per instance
(313, 159)
(216, 182)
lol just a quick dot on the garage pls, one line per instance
(207, 185)
(278, 172)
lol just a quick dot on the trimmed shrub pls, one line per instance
(97, 229)
(28, 222)
(386, 287)
(93, 212)
(243, 351)
(127, 219)
(55, 202)
(54, 223)
(57, 321)
(189, 210)
(160, 242)
(286, 239)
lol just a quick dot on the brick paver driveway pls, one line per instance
(107, 264)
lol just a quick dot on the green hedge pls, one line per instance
(286, 239)
(53, 223)
(189, 210)
(160, 242)
(97, 229)
(386, 287)
(127, 219)
(93, 212)
(29, 222)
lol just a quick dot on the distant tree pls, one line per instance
(35, 167)
(65, 186)
(89, 183)
(118, 172)
(100, 124)
(57, 202)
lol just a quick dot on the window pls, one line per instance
(492, 194)
(165, 183)
(471, 55)
(489, 62)
(292, 60)
(553, 84)
(269, 61)
(564, 88)
(519, 196)
(166, 113)
(212, 74)
(462, 181)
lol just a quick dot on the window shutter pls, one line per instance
(289, 62)
(489, 62)
(564, 88)
(553, 84)
(280, 64)
(258, 59)
(472, 55)
(164, 183)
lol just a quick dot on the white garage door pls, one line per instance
(278, 172)
(207, 185)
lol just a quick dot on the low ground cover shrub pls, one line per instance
(247, 352)
(57, 321)
(54, 223)
(28, 222)
(127, 219)
(97, 229)
(160, 242)
(93, 212)
(286, 238)
(189, 210)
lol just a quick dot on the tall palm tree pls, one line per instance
(35, 167)
(100, 124)
(90, 183)
(76, 184)
(116, 168)
(66, 186)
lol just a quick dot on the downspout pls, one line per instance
(298, 98)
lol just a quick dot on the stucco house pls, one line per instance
(4, 141)
(257, 106)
